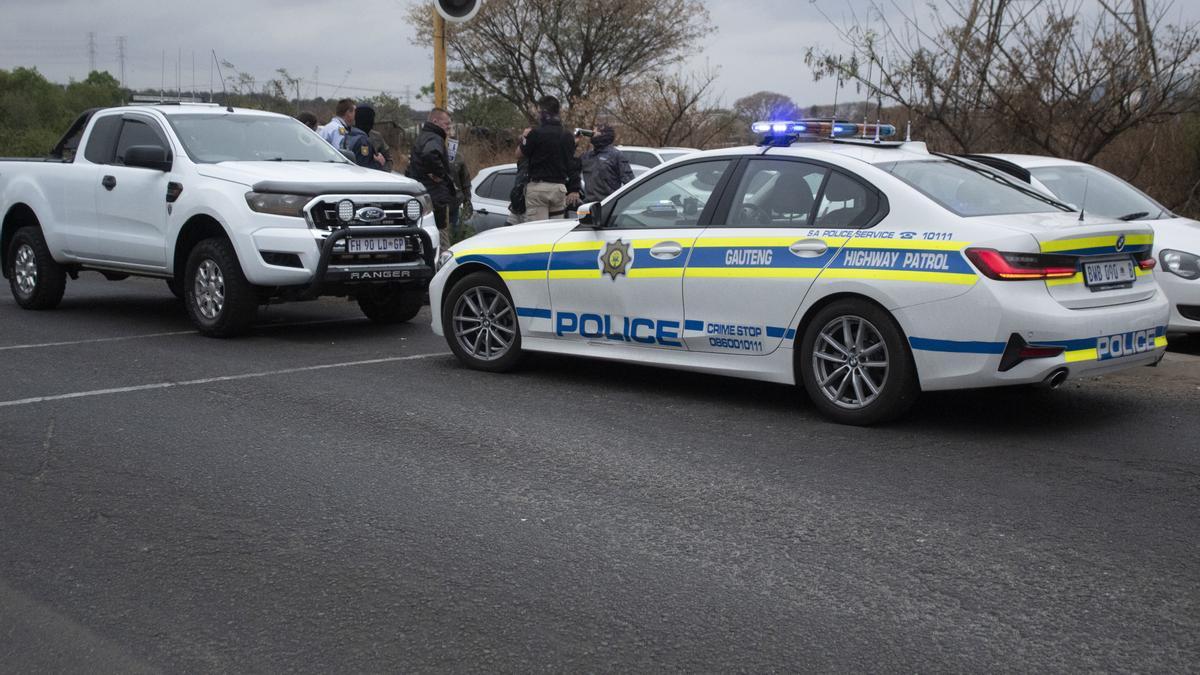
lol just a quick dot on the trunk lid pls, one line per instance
(1106, 255)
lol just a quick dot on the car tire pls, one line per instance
(36, 280)
(391, 306)
(174, 287)
(856, 365)
(220, 302)
(481, 302)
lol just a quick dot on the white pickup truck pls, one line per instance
(233, 208)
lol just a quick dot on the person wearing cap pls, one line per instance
(359, 142)
(604, 166)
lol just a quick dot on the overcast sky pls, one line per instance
(759, 44)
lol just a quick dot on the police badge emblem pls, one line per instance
(366, 152)
(615, 259)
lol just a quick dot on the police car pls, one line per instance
(1176, 239)
(864, 270)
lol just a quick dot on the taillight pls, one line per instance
(1007, 266)
(1147, 263)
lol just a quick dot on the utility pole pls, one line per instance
(121, 57)
(91, 52)
(439, 60)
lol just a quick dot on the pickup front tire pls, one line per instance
(220, 302)
(37, 282)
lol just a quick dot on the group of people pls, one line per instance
(550, 177)
(435, 161)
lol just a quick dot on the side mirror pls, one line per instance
(590, 214)
(148, 157)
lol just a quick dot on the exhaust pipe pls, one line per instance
(1055, 380)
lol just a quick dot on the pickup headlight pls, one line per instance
(278, 205)
(1180, 263)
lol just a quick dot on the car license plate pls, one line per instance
(1108, 273)
(376, 245)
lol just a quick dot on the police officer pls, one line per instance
(339, 127)
(604, 166)
(358, 141)
(429, 164)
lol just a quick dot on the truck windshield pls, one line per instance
(968, 189)
(209, 139)
(1098, 192)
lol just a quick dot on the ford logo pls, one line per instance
(1120, 243)
(370, 214)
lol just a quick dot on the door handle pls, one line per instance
(666, 251)
(809, 248)
(482, 212)
(109, 182)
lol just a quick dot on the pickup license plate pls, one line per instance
(1108, 273)
(376, 245)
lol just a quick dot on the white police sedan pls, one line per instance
(1176, 239)
(867, 271)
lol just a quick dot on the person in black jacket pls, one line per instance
(604, 167)
(359, 140)
(429, 164)
(553, 168)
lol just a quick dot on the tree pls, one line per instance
(521, 50)
(34, 112)
(1037, 75)
(672, 110)
(765, 105)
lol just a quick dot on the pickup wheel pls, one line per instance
(220, 302)
(479, 320)
(389, 306)
(37, 282)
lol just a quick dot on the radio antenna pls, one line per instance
(1084, 204)
(833, 117)
(878, 102)
(224, 92)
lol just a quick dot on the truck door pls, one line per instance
(131, 202)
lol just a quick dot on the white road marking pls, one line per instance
(94, 340)
(211, 380)
(144, 336)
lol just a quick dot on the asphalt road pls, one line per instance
(330, 496)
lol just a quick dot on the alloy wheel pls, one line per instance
(210, 289)
(850, 361)
(25, 269)
(484, 323)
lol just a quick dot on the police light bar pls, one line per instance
(828, 128)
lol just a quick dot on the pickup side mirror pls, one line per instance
(148, 157)
(590, 214)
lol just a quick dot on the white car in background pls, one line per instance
(864, 272)
(652, 157)
(1099, 193)
(490, 192)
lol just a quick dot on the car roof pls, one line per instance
(1033, 161)
(833, 152)
(183, 109)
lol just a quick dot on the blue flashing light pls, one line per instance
(780, 127)
(760, 127)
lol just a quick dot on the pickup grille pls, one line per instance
(323, 213)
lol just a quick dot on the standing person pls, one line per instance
(382, 147)
(604, 166)
(461, 209)
(429, 165)
(553, 168)
(358, 141)
(339, 127)
(308, 119)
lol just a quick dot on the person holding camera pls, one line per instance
(604, 167)
(553, 168)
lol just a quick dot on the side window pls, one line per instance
(135, 132)
(100, 143)
(777, 192)
(846, 203)
(643, 158)
(673, 198)
(485, 188)
(502, 185)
